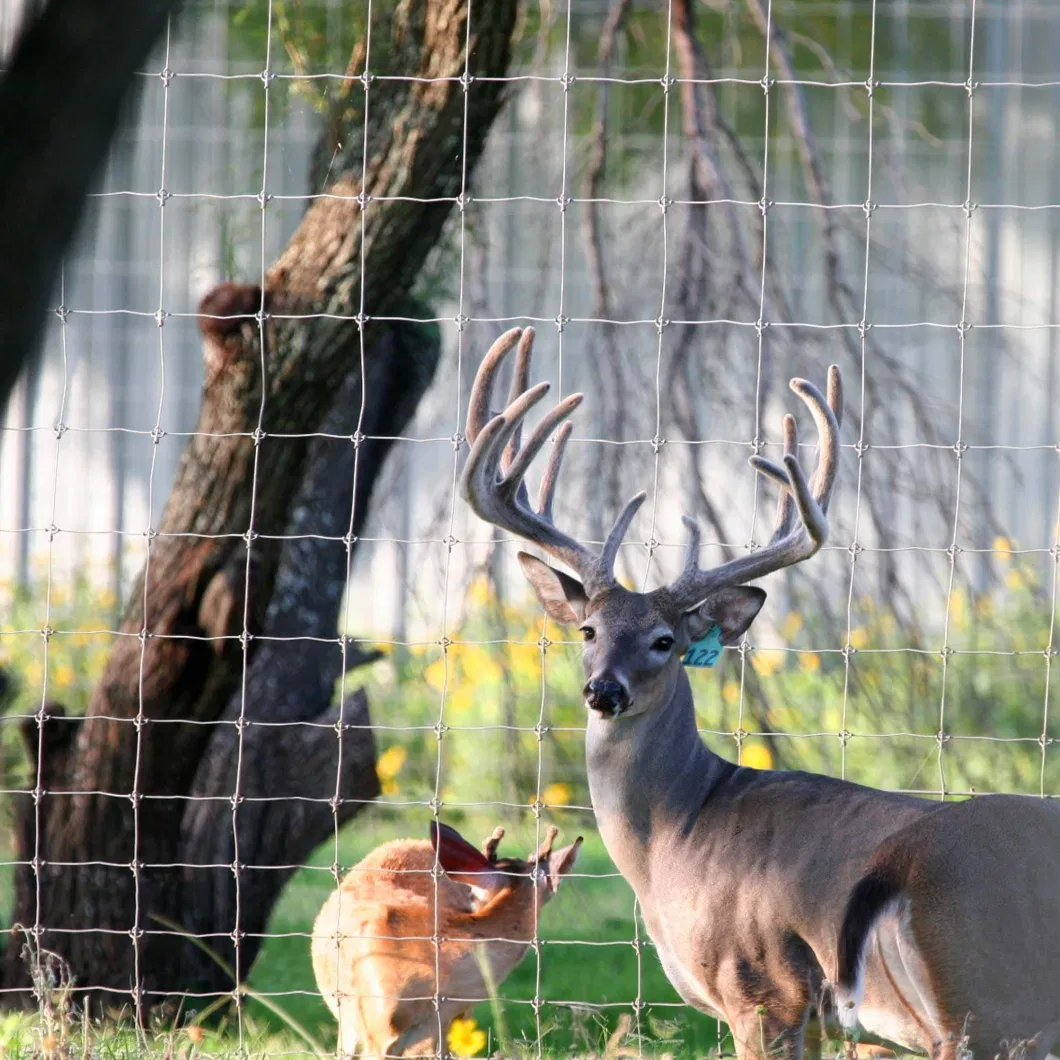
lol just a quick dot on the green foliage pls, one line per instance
(482, 698)
(63, 666)
(492, 722)
(980, 679)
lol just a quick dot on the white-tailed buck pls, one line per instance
(375, 958)
(744, 875)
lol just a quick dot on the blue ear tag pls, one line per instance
(705, 652)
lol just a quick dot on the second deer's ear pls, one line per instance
(733, 609)
(563, 597)
(562, 861)
(455, 854)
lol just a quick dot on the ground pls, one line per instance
(589, 970)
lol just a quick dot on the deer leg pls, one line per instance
(812, 1037)
(347, 1037)
(415, 1043)
(760, 1035)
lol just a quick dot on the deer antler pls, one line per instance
(489, 848)
(792, 541)
(545, 848)
(492, 481)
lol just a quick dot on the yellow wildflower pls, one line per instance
(859, 638)
(478, 592)
(767, 661)
(730, 692)
(958, 609)
(1003, 547)
(461, 699)
(64, 676)
(81, 640)
(389, 787)
(1016, 580)
(33, 673)
(810, 662)
(478, 665)
(390, 762)
(756, 756)
(466, 1038)
(791, 625)
(557, 794)
(524, 661)
(435, 674)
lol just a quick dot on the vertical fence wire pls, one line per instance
(959, 447)
(137, 930)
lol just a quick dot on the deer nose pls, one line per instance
(607, 697)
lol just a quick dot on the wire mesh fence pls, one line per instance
(216, 517)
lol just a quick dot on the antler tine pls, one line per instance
(695, 537)
(546, 492)
(683, 586)
(545, 849)
(489, 848)
(520, 382)
(525, 456)
(614, 539)
(825, 471)
(478, 409)
(835, 393)
(827, 463)
(494, 437)
(786, 500)
(791, 542)
(492, 479)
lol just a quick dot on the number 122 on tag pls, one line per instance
(705, 652)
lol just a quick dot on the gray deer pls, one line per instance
(761, 888)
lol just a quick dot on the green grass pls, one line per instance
(587, 956)
(587, 974)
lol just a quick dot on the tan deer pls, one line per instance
(743, 875)
(375, 958)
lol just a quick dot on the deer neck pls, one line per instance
(650, 776)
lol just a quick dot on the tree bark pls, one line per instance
(109, 828)
(296, 779)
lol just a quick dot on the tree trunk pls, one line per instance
(110, 826)
(297, 775)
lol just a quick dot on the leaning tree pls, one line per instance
(212, 757)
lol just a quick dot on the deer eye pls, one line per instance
(663, 644)
(588, 633)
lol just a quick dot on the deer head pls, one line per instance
(634, 641)
(487, 874)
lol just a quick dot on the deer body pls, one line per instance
(743, 907)
(374, 956)
(973, 890)
(758, 887)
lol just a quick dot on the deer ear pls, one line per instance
(455, 854)
(733, 609)
(562, 861)
(563, 597)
